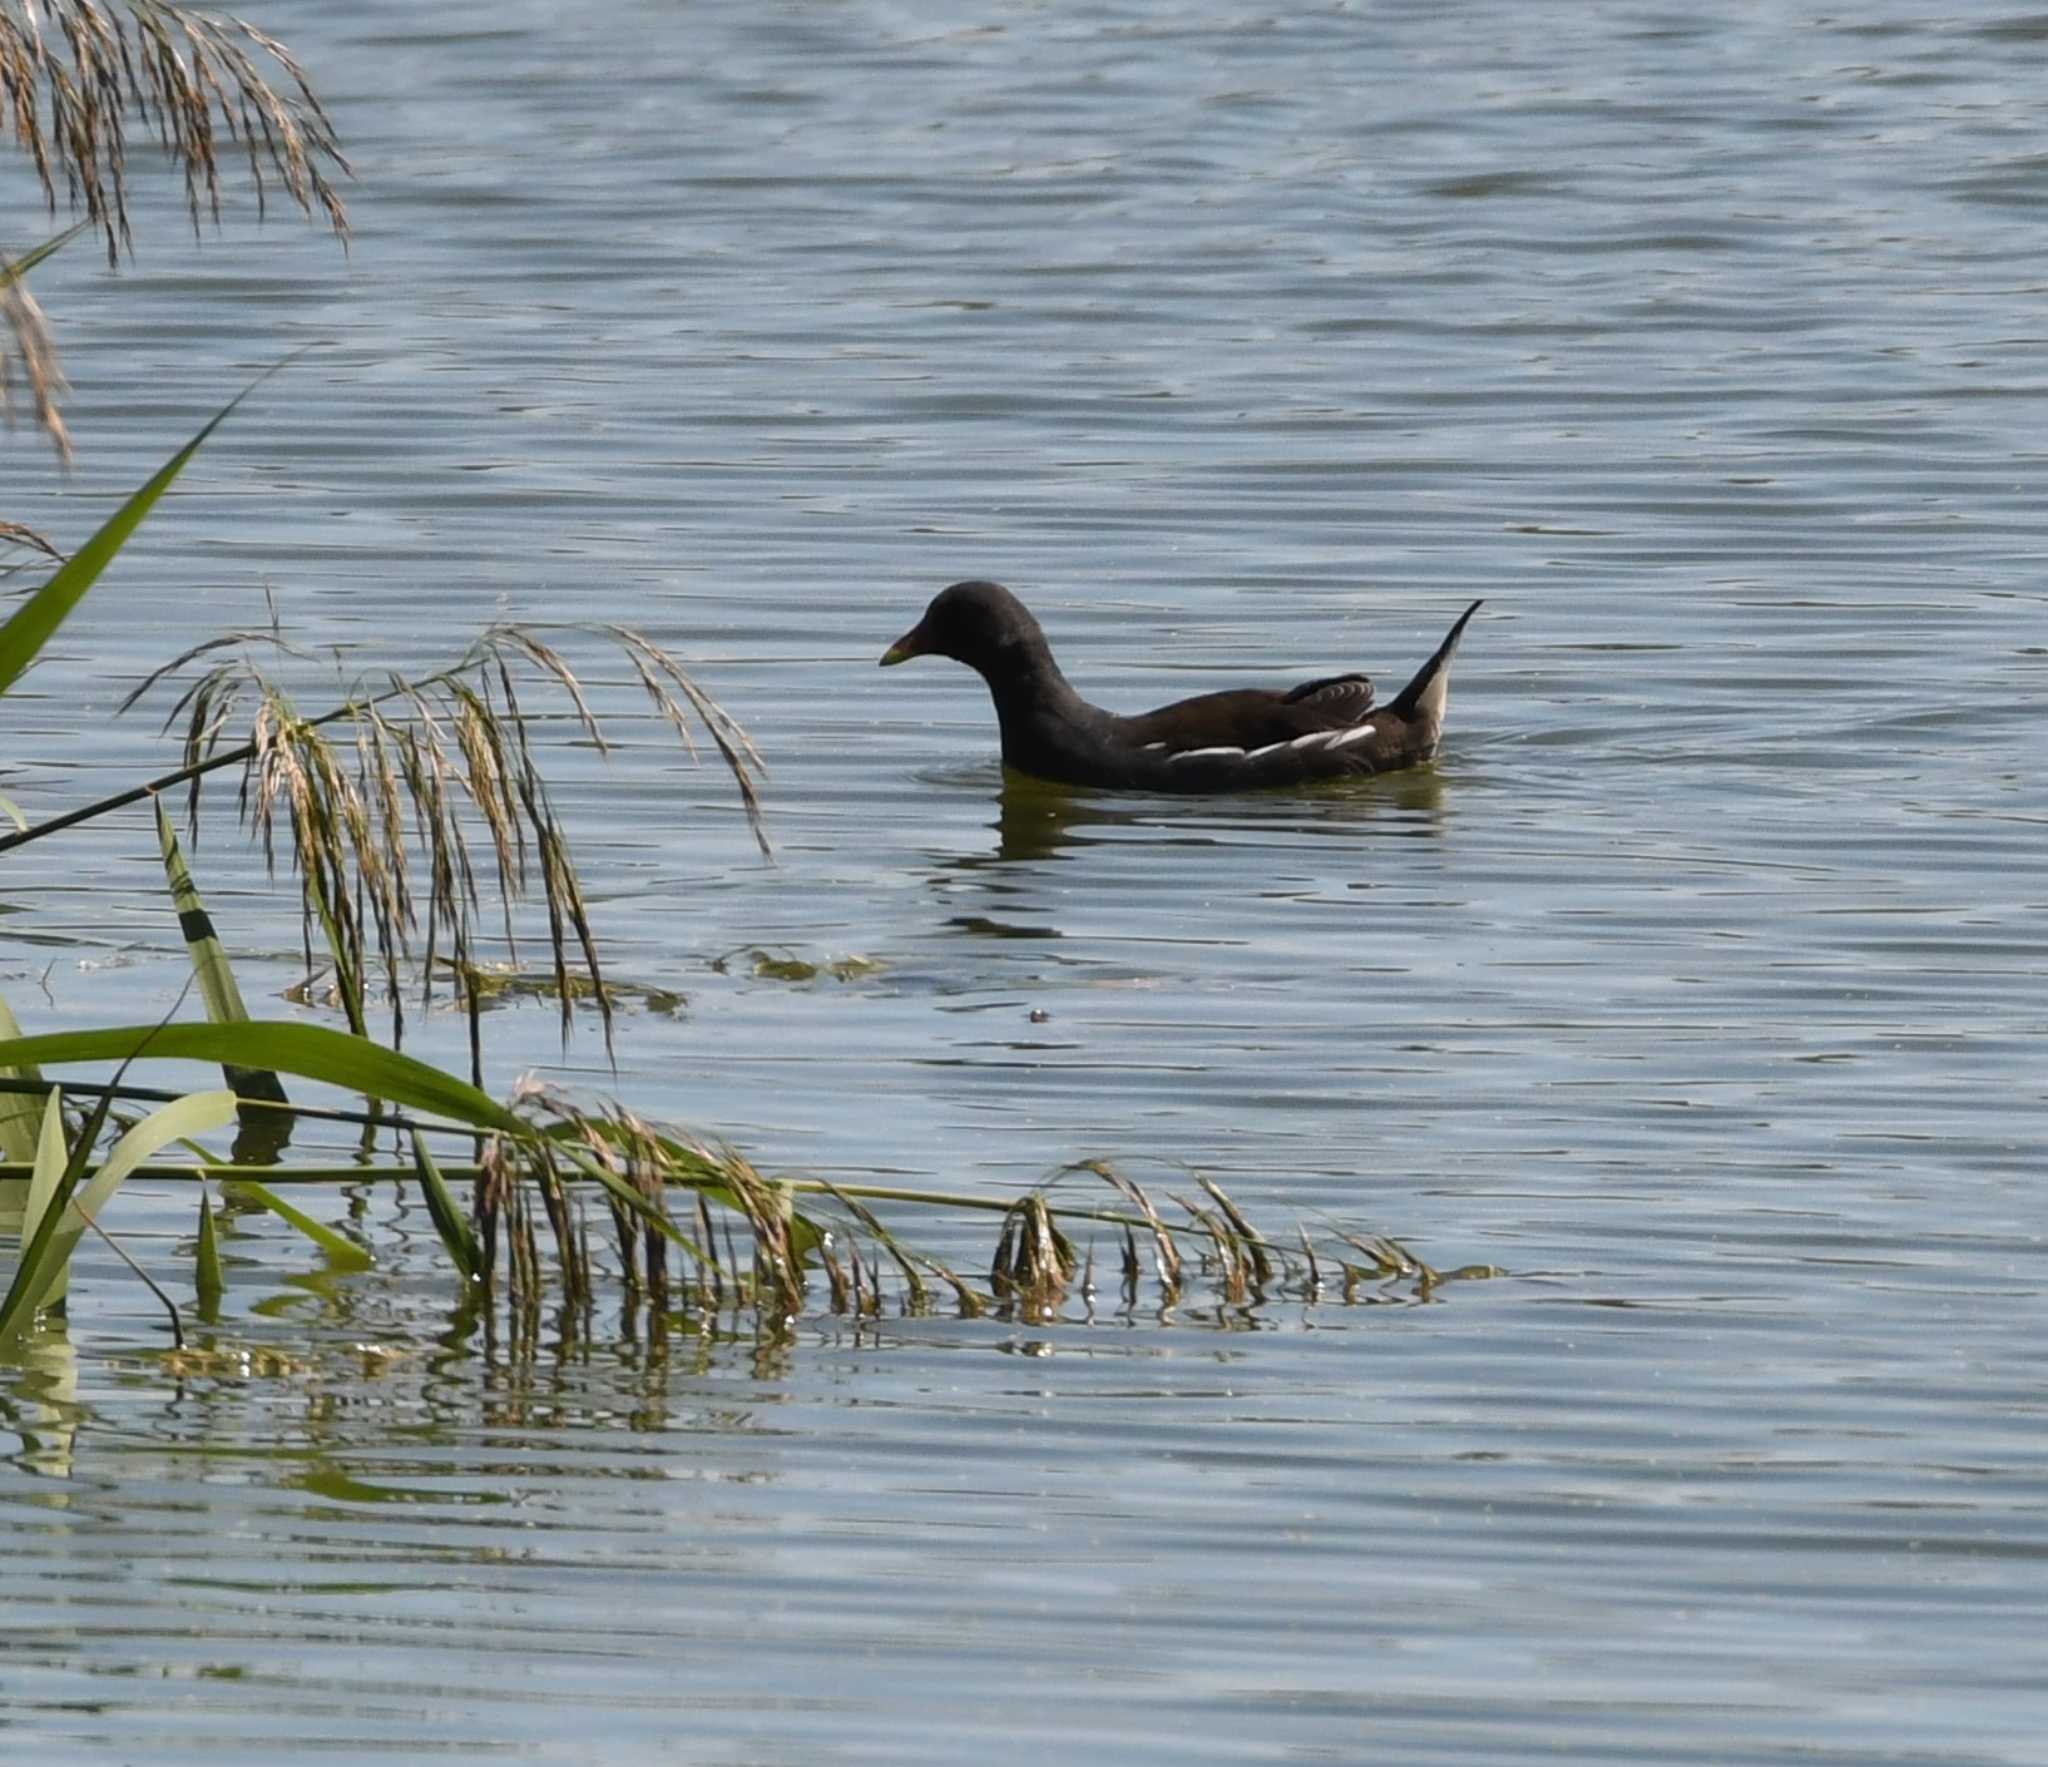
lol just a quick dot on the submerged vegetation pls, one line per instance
(405, 812)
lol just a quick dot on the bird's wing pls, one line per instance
(1252, 717)
(1336, 701)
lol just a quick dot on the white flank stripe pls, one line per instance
(1356, 734)
(1204, 754)
(1152, 748)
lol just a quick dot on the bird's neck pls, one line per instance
(1032, 696)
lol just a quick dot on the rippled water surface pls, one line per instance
(1697, 987)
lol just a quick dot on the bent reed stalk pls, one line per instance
(769, 1269)
(748, 1242)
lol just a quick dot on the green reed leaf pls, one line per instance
(340, 1249)
(12, 270)
(210, 968)
(312, 1051)
(68, 1205)
(449, 1222)
(35, 622)
(208, 1279)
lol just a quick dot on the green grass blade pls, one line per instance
(48, 1191)
(217, 989)
(194, 1114)
(313, 1052)
(449, 1223)
(343, 1251)
(36, 621)
(50, 1157)
(17, 1109)
(180, 1120)
(208, 1280)
(12, 270)
(61, 1205)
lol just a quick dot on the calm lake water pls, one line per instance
(1698, 987)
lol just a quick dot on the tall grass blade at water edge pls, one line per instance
(52, 1152)
(463, 1251)
(70, 1203)
(208, 1280)
(35, 622)
(195, 1114)
(50, 1184)
(17, 1110)
(217, 990)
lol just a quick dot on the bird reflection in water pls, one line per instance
(1037, 822)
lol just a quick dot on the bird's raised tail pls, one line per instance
(1423, 698)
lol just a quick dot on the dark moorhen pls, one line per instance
(1231, 741)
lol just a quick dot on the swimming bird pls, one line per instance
(1230, 741)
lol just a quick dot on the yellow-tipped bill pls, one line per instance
(906, 647)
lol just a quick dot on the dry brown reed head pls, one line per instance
(441, 779)
(75, 73)
(637, 1163)
(1034, 1261)
(14, 534)
(28, 355)
(749, 1246)
(1166, 1258)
